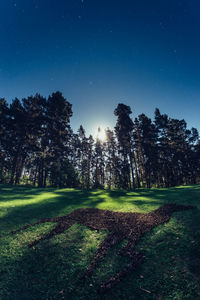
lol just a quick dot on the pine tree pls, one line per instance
(145, 141)
(4, 137)
(123, 130)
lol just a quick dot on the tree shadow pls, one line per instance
(52, 269)
(45, 258)
(67, 200)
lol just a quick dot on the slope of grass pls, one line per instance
(52, 269)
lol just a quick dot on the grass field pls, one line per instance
(52, 269)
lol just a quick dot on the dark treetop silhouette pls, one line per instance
(38, 147)
(120, 225)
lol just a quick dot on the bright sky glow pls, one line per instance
(100, 133)
(142, 53)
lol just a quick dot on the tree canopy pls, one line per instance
(38, 147)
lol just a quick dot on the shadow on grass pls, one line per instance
(63, 201)
(51, 270)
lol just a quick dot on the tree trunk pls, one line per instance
(15, 162)
(136, 171)
(132, 171)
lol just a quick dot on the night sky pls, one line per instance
(99, 53)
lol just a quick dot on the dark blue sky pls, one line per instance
(143, 53)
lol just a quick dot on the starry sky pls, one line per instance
(99, 53)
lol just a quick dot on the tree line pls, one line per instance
(38, 147)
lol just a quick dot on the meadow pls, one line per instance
(52, 269)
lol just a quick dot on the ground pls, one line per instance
(52, 269)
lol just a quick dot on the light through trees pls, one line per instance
(101, 134)
(38, 147)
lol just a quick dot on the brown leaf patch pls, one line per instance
(121, 225)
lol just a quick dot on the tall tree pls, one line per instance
(145, 141)
(111, 161)
(35, 109)
(4, 137)
(38, 146)
(57, 137)
(17, 143)
(123, 130)
(98, 163)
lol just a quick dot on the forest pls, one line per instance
(39, 148)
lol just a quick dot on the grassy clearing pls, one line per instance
(52, 269)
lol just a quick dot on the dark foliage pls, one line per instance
(38, 147)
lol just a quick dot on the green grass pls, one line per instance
(52, 269)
